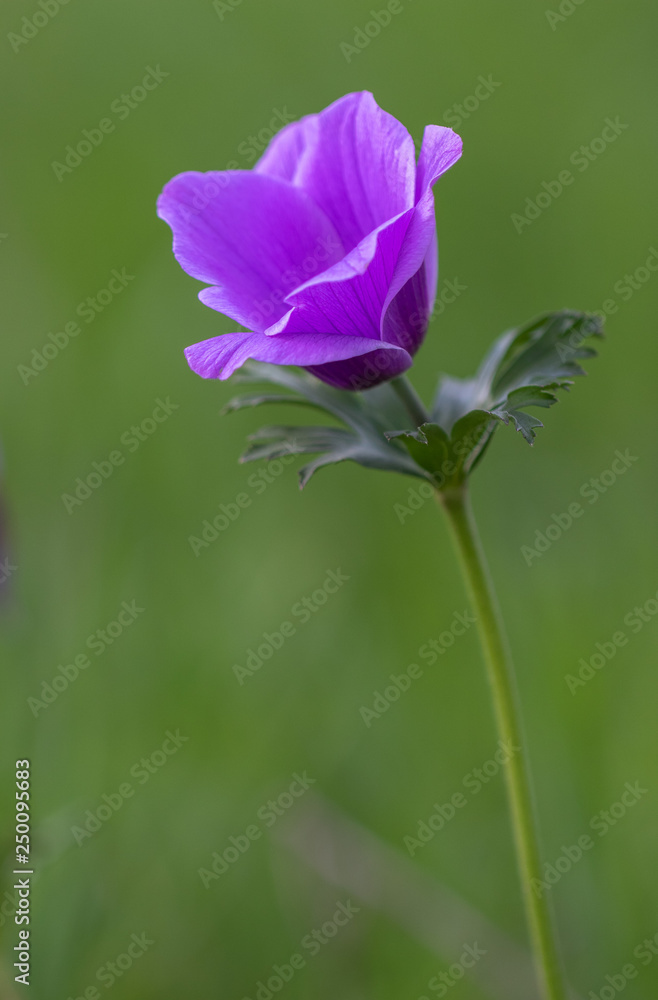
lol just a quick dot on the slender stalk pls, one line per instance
(517, 777)
(411, 400)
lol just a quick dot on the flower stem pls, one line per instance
(501, 679)
(410, 399)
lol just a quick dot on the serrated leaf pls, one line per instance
(546, 351)
(274, 442)
(510, 410)
(469, 440)
(365, 418)
(449, 458)
(429, 447)
(259, 399)
(524, 368)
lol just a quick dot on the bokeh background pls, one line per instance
(230, 69)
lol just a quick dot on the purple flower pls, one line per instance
(326, 251)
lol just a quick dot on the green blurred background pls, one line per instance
(229, 70)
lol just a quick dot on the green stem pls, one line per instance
(517, 777)
(411, 400)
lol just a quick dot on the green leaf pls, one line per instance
(511, 408)
(524, 368)
(429, 446)
(449, 457)
(365, 418)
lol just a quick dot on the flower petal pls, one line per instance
(409, 304)
(407, 315)
(366, 371)
(250, 236)
(283, 156)
(356, 161)
(441, 148)
(349, 297)
(385, 287)
(219, 357)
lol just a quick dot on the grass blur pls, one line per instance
(229, 71)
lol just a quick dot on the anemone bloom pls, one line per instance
(326, 251)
